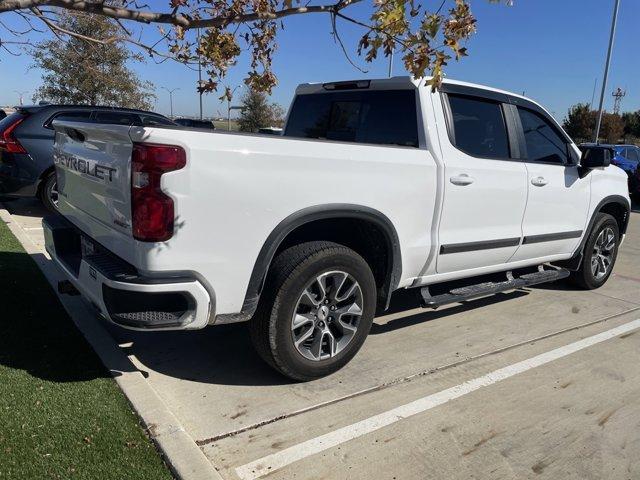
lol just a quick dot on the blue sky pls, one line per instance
(552, 50)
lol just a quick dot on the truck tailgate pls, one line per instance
(94, 177)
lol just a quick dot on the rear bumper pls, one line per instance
(118, 292)
(16, 181)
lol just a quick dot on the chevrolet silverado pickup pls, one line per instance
(373, 186)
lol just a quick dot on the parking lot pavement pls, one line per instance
(573, 417)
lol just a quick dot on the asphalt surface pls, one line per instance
(538, 383)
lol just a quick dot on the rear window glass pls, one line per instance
(152, 120)
(8, 120)
(117, 118)
(478, 127)
(202, 124)
(386, 117)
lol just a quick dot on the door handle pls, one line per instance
(539, 181)
(462, 179)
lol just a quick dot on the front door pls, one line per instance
(485, 188)
(558, 199)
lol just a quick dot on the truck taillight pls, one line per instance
(8, 141)
(151, 210)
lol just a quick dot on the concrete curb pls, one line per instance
(183, 456)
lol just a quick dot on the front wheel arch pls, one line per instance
(615, 205)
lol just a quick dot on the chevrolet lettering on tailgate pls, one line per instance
(87, 167)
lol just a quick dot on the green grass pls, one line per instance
(222, 125)
(61, 414)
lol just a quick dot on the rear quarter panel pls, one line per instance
(236, 189)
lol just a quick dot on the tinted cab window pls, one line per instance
(386, 117)
(544, 143)
(478, 127)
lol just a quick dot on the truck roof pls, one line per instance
(397, 82)
(400, 81)
(71, 106)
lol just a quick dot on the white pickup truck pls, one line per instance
(374, 186)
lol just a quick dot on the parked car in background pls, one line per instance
(26, 144)
(627, 157)
(634, 184)
(270, 130)
(191, 123)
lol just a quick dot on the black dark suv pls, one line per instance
(26, 144)
(192, 123)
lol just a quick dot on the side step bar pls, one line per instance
(470, 292)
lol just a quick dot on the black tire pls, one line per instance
(584, 277)
(46, 194)
(290, 274)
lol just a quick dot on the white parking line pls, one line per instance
(275, 461)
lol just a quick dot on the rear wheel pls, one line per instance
(315, 311)
(49, 192)
(600, 252)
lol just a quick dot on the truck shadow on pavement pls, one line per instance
(224, 355)
(36, 334)
(26, 207)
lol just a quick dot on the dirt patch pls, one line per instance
(479, 443)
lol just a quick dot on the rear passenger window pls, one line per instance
(77, 116)
(386, 117)
(479, 128)
(544, 142)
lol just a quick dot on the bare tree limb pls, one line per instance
(172, 18)
(336, 36)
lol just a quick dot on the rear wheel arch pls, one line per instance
(329, 222)
(43, 187)
(43, 176)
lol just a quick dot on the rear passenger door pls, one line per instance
(558, 198)
(485, 189)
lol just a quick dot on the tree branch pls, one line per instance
(173, 18)
(57, 30)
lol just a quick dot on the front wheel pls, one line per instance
(600, 252)
(315, 310)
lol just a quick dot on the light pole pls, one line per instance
(596, 134)
(21, 94)
(200, 75)
(171, 98)
(229, 108)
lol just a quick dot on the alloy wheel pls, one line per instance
(327, 315)
(602, 255)
(53, 193)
